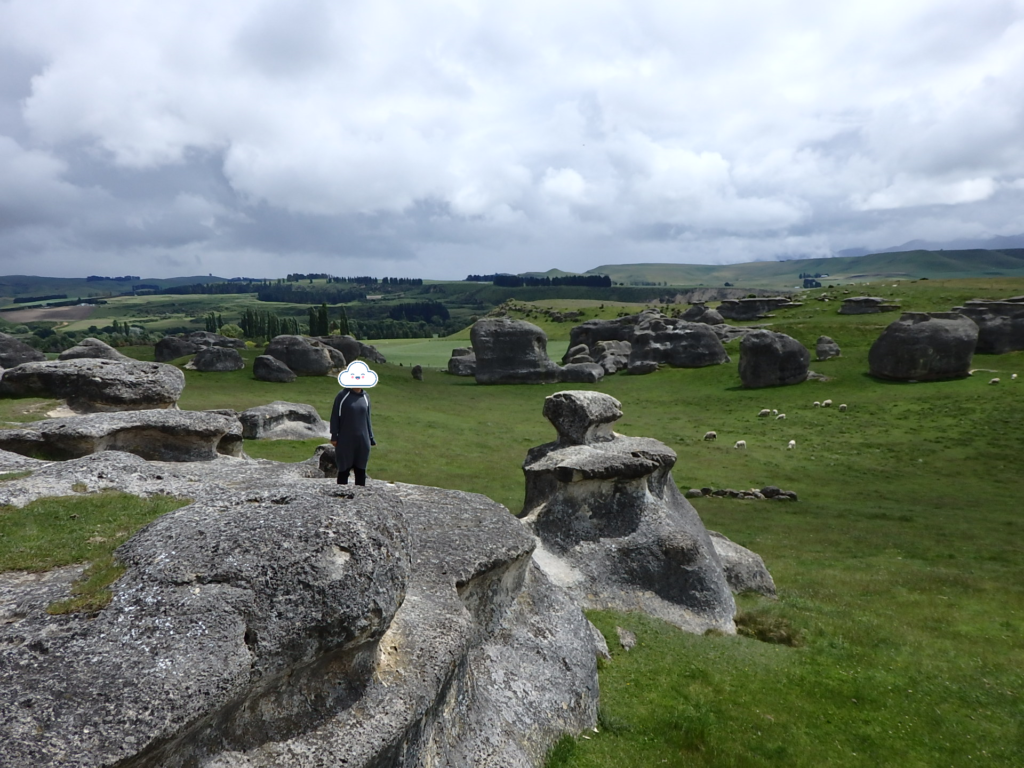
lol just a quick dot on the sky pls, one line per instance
(436, 139)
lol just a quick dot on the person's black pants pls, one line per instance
(360, 476)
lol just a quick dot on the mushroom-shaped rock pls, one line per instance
(283, 421)
(300, 355)
(216, 360)
(511, 352)
(613, 528)
(172, 347)
(91, 385)
(156, 435)
(91, 347)
(769, 359)
(826, 348)
(924, 346)
(267, 368)
(15, 352)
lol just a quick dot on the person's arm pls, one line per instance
(369, 424)
(336, 418)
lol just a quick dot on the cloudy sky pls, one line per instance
(434, 139)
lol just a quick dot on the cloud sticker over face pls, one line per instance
(359, 375)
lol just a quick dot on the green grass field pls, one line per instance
(900, 567)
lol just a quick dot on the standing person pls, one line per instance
(351, 433)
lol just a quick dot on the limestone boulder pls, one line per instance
(216, 360)
(1000, 324)
(925, 346)
(769, 359)
(511, 352)
(417, 372)
(157, 435)
(613, 528)
(582, 373)
(753, 308)
(826, 348)
(699, 313)
(209, 339)
(267, 368)
(351, 348)
(283, 421)
(462, 362)
(90, 347)
(744, 570)
(658, 339)
(15, 352)
(590, 332)
(866, 305)
(92, 385)
(300, 355)
(172, 347)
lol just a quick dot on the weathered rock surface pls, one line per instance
(511, 352)
(826, 348)
(582, 373)
(769, 359)
(172, 347)
(744, 570)
(351, 348)
(283, 421)
(462, 362)
(925, 346)
(659, 339)
(91, 348)
(699, 313)
(209, 339)
(754, 308)
(15, 352)
(282, 621)
(417, 372)
(216, 360)
(301, 357)
(91, 385)
(866, 305)
(1000, 324)
(267, 368)
(159, 435)
(612, 527)
(338, 361)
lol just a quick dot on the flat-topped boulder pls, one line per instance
(15, 352)
(925, 346)
(216, 360)
(612, 526)
(283, 421)
(511, 352)
(267, 368)
(754, 308)
(158, 435)
(769, 359)
(1000, 324)
(866, 305)
(92, 385)
(91, 348)
(300, 355)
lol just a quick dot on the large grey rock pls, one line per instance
(301, 356)
(216, 360)
(267, 368)
(581, 373)
(866, 305)
(1000, 324)
(462, 362)
(209, 339)
(338, 360)
(159, 435)
(91, 348)
(172, 347)
(282, 621)
(612, 527)
(91, 385)
(658, 339)
(744, 570)
(283, 421)
(352, 348)
(15, 352)
(753, 308)
(699, 313)
(826, 348)
(925, 346)
(590, 332)
(769, 359)
(511, 352)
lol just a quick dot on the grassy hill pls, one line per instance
(19, 286)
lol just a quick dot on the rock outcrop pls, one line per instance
(866, 305)
(300, 355)
(210, 339)
(1000, 324)
(172, 347)
(744, 570)
(662, 340)
(462, 362)
(91, 348)
(267, 368)
(699, 313)
(754, 308)
(511, 352)
(157, 435)
(769, 359)
(612, 527)
(216, 360)
(91, 385)
(925, 346)
(279, 620)
(15, 352)
(283, 421)
(826, 348)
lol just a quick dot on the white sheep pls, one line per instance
(740, 444)
(842, 407)
(817, 404)
(1014, 376)
(764, 412)
(780, 416)
(792, 445)
(826, 403)
(994, 381)
(710, 435)
(775, 411)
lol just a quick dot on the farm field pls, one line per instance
(900, 570)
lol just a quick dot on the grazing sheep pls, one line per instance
(775, 411)
(766, 412)
(780, 416)
(1014, 376)
(994, 381)
(710, 435)
(817, 404)
(826, 403)
(740, 444)
(842, 407)
(792, 445)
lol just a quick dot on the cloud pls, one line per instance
(358, 374)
